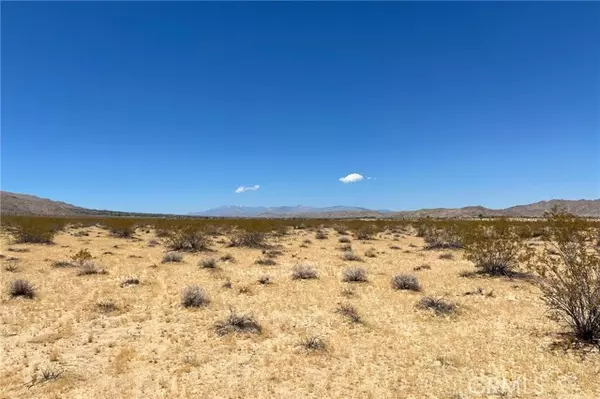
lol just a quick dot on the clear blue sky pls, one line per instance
(165, 107)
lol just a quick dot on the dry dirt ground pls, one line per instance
(152, 347)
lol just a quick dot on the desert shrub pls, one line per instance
(32, 230)
(307, 242)
(172, 257)
(265, 280)
(208, 263)
(188, 239)
(570, 280)
(11, 267)
(344, 240)
(122, 228)
(271, 253)
(81, 257)
(238, 323)
(21, 288)
(354, 275)
(249, 239)
(370, 253)
(446, 256)
(265, 262)
(194, 297)
(89, 268)
(394, 247)
(496, 249)
(153, 243)
(313, 344)
(365, 232)
(244, 289)
(304, 272)
(320, 235)
(348, 292)
(405, 282)
(130, 281)
(349, 311)
(107, 306)
(227, 258)
(62, 264)
(443, 237)
(227, 284)
(345, 247)
(350, 256)
(438, 305)
(422, 267)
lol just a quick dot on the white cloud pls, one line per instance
(351, 178)
(241, 189)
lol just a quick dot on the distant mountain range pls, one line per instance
(23, 204)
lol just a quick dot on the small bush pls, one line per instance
(11, 267)
(307, 242)
(89, 268)
(313, 344)
(446, 256)
(351, 256)
(354, 275)
(193, 297)
(445, 237)
(21, 288)
(130, 281)
(304, 272)
(238, 323)
(405, 282)
(394, 247)
(153, 243)
(35, 231)
(349, 311)
(348, 292)
(249, 239)
(371, 253)
(188, 239)
(265, 280)
(422, 267)
(320, 235)
(266, 262)
(172, 257)
(122, 228)
(227, 258)
(344, 240)
(107, 306)
(437, 305)
(81, 257)
(345, 248)
(208, 263)
(62, 264)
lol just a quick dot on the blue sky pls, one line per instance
(165, 107)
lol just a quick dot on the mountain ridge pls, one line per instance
(25, 204)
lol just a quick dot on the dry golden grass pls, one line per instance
(59, 344)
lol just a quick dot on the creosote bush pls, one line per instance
(238, 323)
(33, 230)
(249, 239)
(188, 239)
(194, 297)
(304, 272)
(81, 257)
(569, 271)
(496, 249)
(405, 282)
(21, 288)
(354, 275)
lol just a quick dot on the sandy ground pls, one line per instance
(153, 347)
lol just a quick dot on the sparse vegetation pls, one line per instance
(238, 323)
(437, 305)
(194, 297)
(320, 235)
(370, 253)
(130, 281)
(351, 256)
(304, 272)
(354, 275)
(266, 262)
(80, 258)
(249, 239)
(405, 282)
(344, 240)
(89, 268)
(265, 280)
(208, 263)
(21, 288)
(349, 311)
(172, 257)
(313, 343)
(107, 306)
(188, 239)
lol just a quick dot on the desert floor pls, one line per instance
(499, 345)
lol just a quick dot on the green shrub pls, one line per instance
(188, 239)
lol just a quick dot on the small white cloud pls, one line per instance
(371, 178)
(241, 189)
(351, 178)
